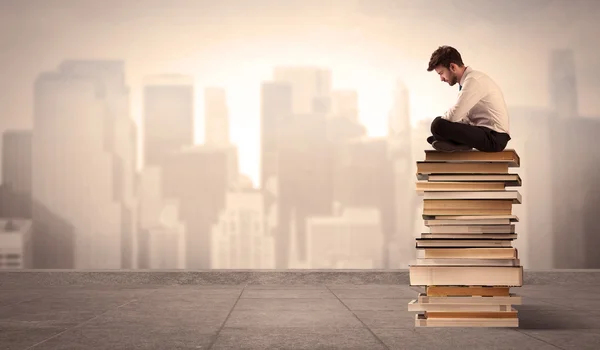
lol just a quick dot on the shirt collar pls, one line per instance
(462, 80)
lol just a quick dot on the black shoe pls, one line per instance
(430, 139)
(445, 146)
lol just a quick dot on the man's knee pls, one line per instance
(437, 125)
(501, 143)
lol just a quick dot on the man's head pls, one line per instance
(448, 64)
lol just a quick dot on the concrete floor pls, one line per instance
(264, 316)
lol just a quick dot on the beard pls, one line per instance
(453, 80)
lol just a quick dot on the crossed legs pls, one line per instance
(452, 136)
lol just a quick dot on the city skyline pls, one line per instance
(182, 109)
(82, 115)
(248, 144)
(249, 159)
(309, 107)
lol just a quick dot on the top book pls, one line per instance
(509, 156)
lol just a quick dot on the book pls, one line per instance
(466, 260)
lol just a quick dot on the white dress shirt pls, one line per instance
(480, 102)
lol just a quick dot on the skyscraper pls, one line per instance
(197, 179)
(365, 178)
(168, 116)
(311, 88)
(83, 168)
(238, 238)
(563, 84)
(276, 105)
(400, 241)
(16, 174)
(15, 244)
(304, 181)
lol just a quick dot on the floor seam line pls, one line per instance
(359, 320)
(86, 321)
(214, 341)
(536, 338)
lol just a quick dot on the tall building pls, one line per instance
(352, 238)
(166, 241)
(216, 116)
(294, 138)
(575, 192)
(276, 106)
(197, 178)
(399, 124)
(239, 238)
(305, 181)
(217, 129)
(168, 116)
(311, 88)
(16, 174)
(563, 84)
(530, 136)
(365, 178)
(401, 243)
(574, 165)
(150, 197)
(166, 247)
(83, 168)
(15, 244)
(161, 242)
(298, 147)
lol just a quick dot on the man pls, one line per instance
(479, 118)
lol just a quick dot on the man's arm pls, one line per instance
(471, 93)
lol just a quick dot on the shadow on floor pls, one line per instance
(563, 319)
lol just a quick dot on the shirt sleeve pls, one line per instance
(471, 93)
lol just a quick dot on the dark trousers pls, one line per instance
(478, 137)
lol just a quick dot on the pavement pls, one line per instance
(100, 314)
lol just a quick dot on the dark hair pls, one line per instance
(443, 56)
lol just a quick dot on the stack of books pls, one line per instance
(466, 261)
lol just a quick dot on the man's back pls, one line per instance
(491, 110)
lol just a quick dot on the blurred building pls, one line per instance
(197, 179)
(311, 88)
(400, 247)
(239, 238)
(575, 192)
(15, 244)
(574, 159)
(563, 84)
(352, 238)
(15, 195)
(83, 168)
(168, 116)
(305, 180)
(166, 240)
(161, 230)
(364, 178)
(419, 135)
(530, 136)
(276, 106)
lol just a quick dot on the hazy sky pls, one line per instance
(367, 44)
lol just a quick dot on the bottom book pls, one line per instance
(423, 320)
(466, 306)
